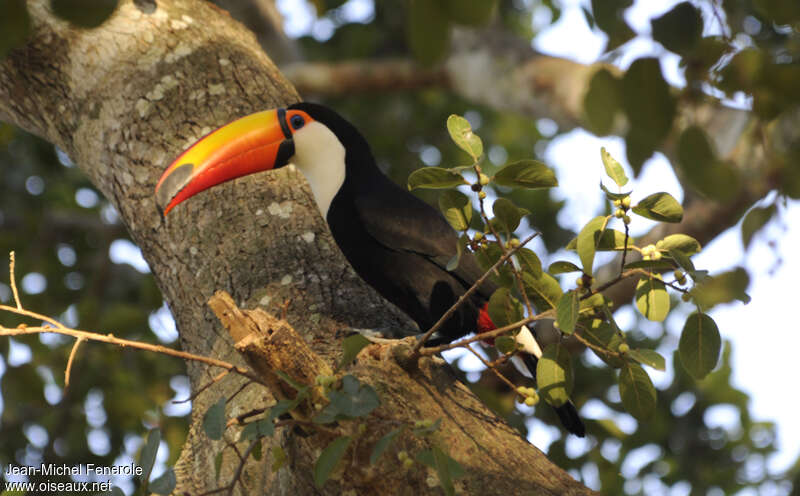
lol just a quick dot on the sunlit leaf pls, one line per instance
(681, 242)
(587, 242)
(613, 168)
(434, 178)
(456, 208)
(562, 267)
(554, 374)
(652, 298)
(462, 135)
(661, 207)
(567, 312)
(530, 174)
(651, 358)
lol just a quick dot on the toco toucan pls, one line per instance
(397, 243)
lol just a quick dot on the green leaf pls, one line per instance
(587, 242)
(428, 31)
(504, 309)
(434, 178)
(602, 102)
(505, 344)
(652, 299)
(722, 288)
(649, 107)
(603, 335)
(529, 261)
(256, 452)
(461, 246)
(554, 374)
(352, 401)
(489, 255)
(680, 29)
(683, 261)
(699, 345)
(613, 196)
(148, 455)
(446, 467)
(426, 430)
(530, 174)
(351, 345)
(661, 207)
(507, 215)
(382, 444)
(471, 12)
(567, 312)
(655, 265)
(755, 219)
(614, 169)
(260, 428)
(214, 420)
(702, 169)
(84, 13)
(651, 358)
(329, 458)
(15, 25)
(218, 464)
(681, 242)
(288, 380)
(544, 291)
(456, 208)
(562, 267)
(462, 135)
(165, 484)
(279, 458)
(637, 391)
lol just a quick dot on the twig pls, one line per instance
(13, 281)
(197, 393)
(70, 360)
(517, 276)
(490, 367)
(466, 295)
(549, 314)
(624, 250)
(59, 328)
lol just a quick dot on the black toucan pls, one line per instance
(397, 243)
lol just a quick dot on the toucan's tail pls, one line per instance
(567, 413)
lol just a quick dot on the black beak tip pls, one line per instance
(172, 185)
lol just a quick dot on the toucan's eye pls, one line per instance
(297, 121)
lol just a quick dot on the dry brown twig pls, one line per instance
(52, 325)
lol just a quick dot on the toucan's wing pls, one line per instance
(401, 221)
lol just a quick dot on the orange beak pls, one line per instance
(258, 142)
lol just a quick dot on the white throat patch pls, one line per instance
(319, 155)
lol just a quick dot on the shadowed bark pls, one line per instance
(122, 100)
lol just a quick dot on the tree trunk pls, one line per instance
(124, 99)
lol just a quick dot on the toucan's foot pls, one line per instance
(378, 335)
